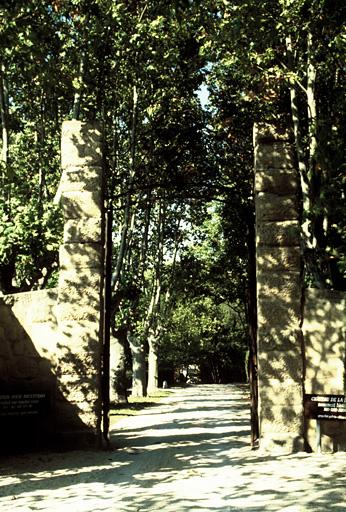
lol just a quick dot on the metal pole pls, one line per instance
(318, 436)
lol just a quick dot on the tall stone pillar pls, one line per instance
(80, 280)
(279, 292)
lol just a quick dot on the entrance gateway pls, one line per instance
(51, 340)
(300, 331)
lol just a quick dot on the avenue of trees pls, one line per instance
(179, 195)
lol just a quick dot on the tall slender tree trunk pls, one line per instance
(153, 342)
(5, 186)
(128, 207)
(78, 90)
(153, 363)
(153, 327)
(314, 177)
(303, 170)
(138, 365)
(4, 116)
(118, 377)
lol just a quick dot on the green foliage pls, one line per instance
(179, 178)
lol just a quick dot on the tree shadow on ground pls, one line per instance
(201, 466)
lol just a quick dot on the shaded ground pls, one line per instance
(190, 453)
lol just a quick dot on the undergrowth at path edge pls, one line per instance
(135, 405)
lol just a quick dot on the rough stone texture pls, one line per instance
(274, 259)
(280, 359)
(284, 364)
(265, 133)
(274, 337)
(81, 145)
(50, 339)
(82, 231)
(28, 360)
(30, 318)
(82, 178)
(325, 345)
(277, 181)
(272, 207)
(80, 256)
(278, 313)
(77, 204)
(283, 286)
(284, 233)
(278, 155)
(80, 283)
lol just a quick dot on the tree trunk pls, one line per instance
(314, 178)
(118, 388)
(4, 116)
(138, 366)
(5, 185)
(153, 364)
(78, 90)
(303, 171)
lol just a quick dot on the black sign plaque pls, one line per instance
(325, 407)
(23, 404)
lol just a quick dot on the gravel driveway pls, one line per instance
(190, 453)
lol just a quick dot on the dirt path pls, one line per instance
(190, 453)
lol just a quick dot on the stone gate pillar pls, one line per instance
(279, 292)
(80, 280)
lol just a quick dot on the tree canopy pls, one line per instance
(179, 191)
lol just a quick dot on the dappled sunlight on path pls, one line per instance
(191, 453)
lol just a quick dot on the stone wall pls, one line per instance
(325, 349)
(50, 340)
(279, 291)
(301, 332)
(81, 272)
(29, 358)
(28, 339)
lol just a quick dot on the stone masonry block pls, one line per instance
(281, 418)
(325, 375)
(278, 155)
(280, 364)
(72, 364)
(80, 278)
(80, 256)
(76, 358)
(276, 259)
(82, 231)
(277, 181)
(282, 443)
(285, 287)
(324, 304)
(4, 346)
(271, 207)
(80, 204)
(324, 337)
(285, 233)
(75, 179)
(281, 392)
(79, 293)
(74, 332)
(80, 144)
(42, 313)
(265, 133)
(90, 419)
(79, 389)
(279, 338)
(26, 367)
(78, 300)
(79, 339)
(67, 312)
(279, 314)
